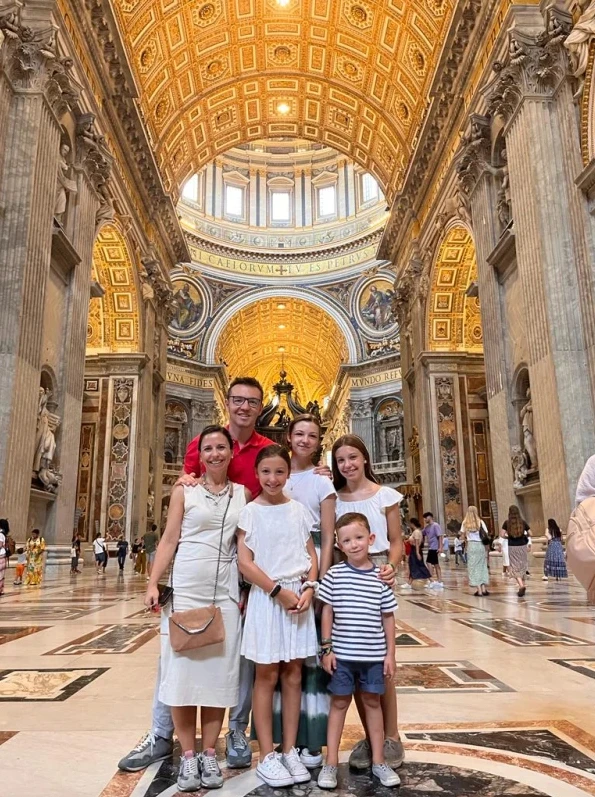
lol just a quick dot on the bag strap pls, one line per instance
(171, 576)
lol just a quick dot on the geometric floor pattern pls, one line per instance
(492, 702)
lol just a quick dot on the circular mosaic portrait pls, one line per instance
(189, 308)
(373, 307)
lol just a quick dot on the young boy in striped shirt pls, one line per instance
(358, 644)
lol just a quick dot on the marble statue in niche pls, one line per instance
(519, 467)
(45, 444)
(528, 432)
(65, 185)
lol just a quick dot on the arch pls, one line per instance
(453, 313)
(354, 75)
(266, 336)
(114, 318)
(280, 293)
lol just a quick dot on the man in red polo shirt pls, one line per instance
(244, 405)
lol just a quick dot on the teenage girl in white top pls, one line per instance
(316, 492)
(359, 491)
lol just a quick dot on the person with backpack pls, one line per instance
(517, 533)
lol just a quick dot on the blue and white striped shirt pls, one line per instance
(359, 599)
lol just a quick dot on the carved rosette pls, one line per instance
(534, 65)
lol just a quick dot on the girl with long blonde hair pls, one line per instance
(475, 532)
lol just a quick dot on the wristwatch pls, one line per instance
(275, 591)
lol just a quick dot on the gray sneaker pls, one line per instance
(151, 748)
(361, 755)
(210, 774)
(394, 753)
(189, 774)
(238, 751)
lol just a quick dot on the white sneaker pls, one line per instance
(438, 585)
(291, 762)
(386, 775)
(272, 771)
(327, 779)
(406, 588)
(309, 759)
(544, 578)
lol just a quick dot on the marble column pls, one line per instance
(91, 169)
(478, 183)
(253, 200)
(218, 188)
(341, 190)
(532, 92)
(32, 102)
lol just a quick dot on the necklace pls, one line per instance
(214, 496)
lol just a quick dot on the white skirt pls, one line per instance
(271, 634)
(208, 676)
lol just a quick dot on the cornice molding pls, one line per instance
(283, 257)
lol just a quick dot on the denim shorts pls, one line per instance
(368, 676)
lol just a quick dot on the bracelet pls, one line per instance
(325, 642)
(326, 650)
(275, 591)
(313, 585)
(390, 564)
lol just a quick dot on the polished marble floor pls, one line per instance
(494, 696)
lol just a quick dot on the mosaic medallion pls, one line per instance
(521, 634)
(33, 686)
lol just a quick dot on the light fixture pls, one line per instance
(280, 307)
(283, 3)
(283, 108)
(281, 349)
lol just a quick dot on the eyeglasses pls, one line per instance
(239, 401)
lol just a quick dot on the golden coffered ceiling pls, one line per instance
(313, 344)
(353, 74)
(454, 319)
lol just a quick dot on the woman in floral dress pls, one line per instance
(35, 552)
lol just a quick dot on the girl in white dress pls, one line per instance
(358, 491)
(316, 492)
(277, 555)
(201, 525)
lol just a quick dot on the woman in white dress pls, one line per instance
(199, 521)
(358, 491)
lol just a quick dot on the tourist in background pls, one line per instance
(35, 556)
(3, 549)
(20, 568)
(417, 568)
(75, 553)
(141, 559)
(476, 533)
(517, 533)
(122, 547)
(100, 551)
(458, 549)
(554, 565)
(358, 491)
(151, 540)
(435, 536)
